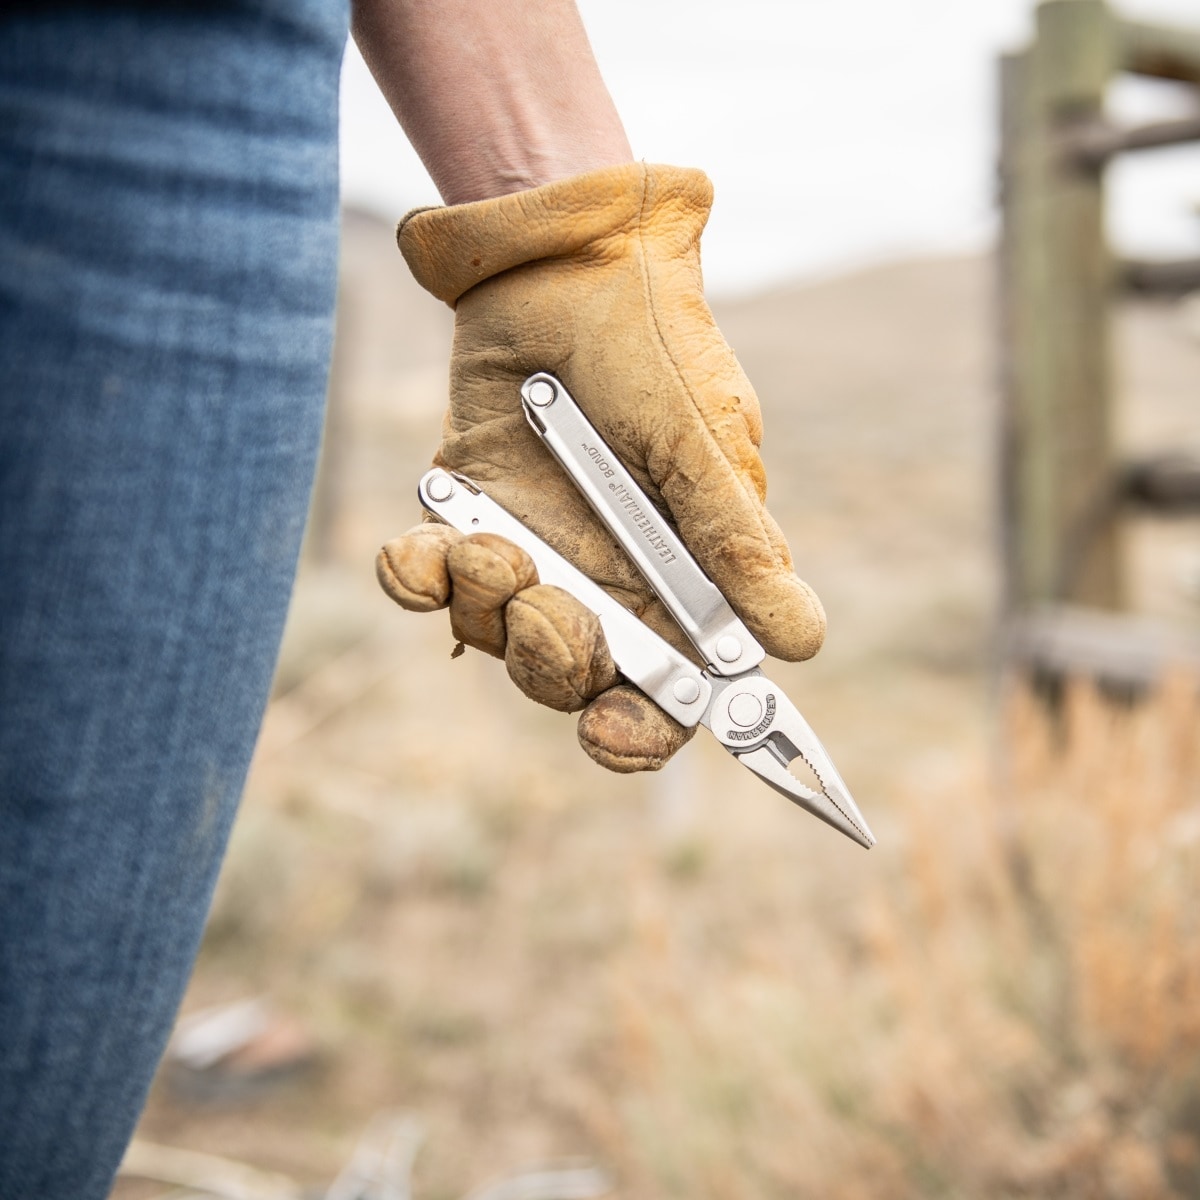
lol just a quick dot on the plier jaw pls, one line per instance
(747, 713)
(757, 723)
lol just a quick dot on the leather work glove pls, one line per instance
(597, 280)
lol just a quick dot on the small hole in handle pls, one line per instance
(474, 520)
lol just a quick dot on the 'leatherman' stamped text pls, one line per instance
(642, 522)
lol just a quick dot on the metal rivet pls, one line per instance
(729, 649)
(745, 710)
(687, 690)
(541, 393)
(439, 488)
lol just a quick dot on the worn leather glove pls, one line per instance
(597, 280)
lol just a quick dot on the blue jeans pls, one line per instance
(168, 243)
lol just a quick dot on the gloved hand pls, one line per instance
(595, 279)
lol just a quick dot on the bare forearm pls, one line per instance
(495, 95)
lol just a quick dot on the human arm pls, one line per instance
(496, 96)
(558, 253)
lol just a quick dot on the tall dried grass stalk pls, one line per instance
(1014, 1012)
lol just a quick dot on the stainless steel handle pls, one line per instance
(673, 682)
(702, 612)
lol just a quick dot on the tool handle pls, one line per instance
(673, 682)
(696, 603)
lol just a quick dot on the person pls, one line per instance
(168, 214)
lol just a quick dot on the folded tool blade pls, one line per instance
(756, 722)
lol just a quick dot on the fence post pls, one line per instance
(1057, 281)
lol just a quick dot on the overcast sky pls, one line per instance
(837, 132)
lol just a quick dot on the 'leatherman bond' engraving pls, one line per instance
(644, 530)
(597, 456)
(642, 522)
(748, 735)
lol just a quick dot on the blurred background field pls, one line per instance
(438, 917)
(680, 978)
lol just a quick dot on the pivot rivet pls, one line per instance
(729, 649)
(439, 488)
(687, 690)
(541, 393)
(745, 710)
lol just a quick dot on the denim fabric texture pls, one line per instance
(168, 245)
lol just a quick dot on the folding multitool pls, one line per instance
(747, 713)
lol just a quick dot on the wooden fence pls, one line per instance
(1063, 486)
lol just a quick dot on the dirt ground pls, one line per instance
(681, 978)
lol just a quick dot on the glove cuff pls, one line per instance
(449, 250)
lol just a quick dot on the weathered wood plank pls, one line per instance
(1057, 279)
(1074, 65)
(1157, 50)
(1013, 287)
(1115, 649)
(1169, 484)
(1159, 278)
(1092, 144)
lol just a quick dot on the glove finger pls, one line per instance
(486, 571)
(710, 482)
(626, 731)
(724, 523)
(412, 568)
(556, 652)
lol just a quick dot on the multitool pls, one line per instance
(747, 713)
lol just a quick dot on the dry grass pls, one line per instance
(1013, 1010)
(734, 1008)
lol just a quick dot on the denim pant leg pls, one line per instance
(168, 241)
